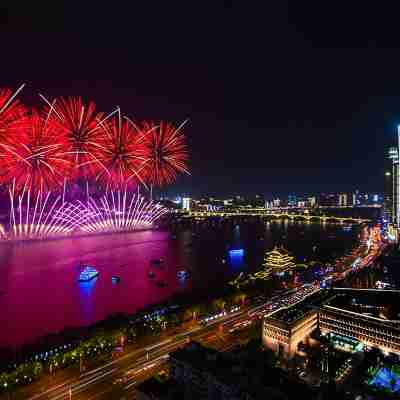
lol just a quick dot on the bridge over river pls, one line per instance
(275, 215)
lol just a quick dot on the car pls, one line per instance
(121, 380)
(302, 374)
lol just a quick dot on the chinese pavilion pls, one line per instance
(278, 261)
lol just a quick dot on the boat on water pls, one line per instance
(156, 261)
(385, 269)
(151, 274)
(182, 274)
(87, 274)
(116, 279)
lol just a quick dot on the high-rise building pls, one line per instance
(292, 200)
(343, 200)
(311, 201)
(392, 180)
(388, 195)
(328, 200)
(186, 203)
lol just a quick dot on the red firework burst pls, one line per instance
(80, 123)
(12, 112)
(165, 152)
(35, 159)
(120, 159)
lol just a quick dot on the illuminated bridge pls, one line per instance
(273, 215)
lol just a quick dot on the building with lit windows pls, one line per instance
(392, 183)
(284, 330)
(343, 200)
(328, 200)
(392, 186)
(388, 195)
(369, 316)
(311, 201)
(186, 203)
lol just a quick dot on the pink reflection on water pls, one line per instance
(42, 294)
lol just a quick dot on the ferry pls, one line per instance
(182, 274)
(87, 274)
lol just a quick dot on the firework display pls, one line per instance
(67, 141)
(120, 158)
(119, 211)
(35, 157)
(80, 126)
(12, 112)
(48, 216)
(41, 217)
(165, 152)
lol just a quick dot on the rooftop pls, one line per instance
(293, 313)
(370, 303)
(155, 388)
(380, 304)
(243, 372)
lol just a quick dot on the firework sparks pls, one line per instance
(120, 159)
(11, 109)
(165, 152)
(120, 211)
(35, 159)
(46, 215)
(40, 217)
(82, 127)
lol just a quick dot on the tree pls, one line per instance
(193, 312)
(219, 304)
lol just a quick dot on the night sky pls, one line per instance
(293, 97)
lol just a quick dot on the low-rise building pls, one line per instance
(284, 330)
(371, 317)
(205, 373)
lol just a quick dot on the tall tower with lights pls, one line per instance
(392, 184)
(396, 180)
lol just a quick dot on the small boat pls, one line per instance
(156, 261)
(115, 279)
(182, 274)
(161, 283)
(151, 274)
(87, 274)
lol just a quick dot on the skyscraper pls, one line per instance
(343, 200)
(393, 180)
(388, 196)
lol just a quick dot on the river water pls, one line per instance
(39, 292)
